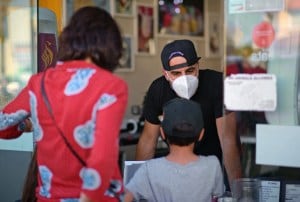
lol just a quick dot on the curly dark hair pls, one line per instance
(93, 33)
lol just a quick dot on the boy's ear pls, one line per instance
(162, 133)
(201, 134)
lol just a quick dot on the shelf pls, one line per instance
(175, 36)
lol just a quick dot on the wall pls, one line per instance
(56, 7)
(148, 67)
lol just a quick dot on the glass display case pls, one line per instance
(181, 17)
(263, 38)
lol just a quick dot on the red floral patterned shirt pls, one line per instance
(88, 104)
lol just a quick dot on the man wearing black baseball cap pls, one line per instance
(183, 78)
(175, 57)
(184, 48)
(183, 175)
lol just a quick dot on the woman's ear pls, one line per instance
(162, 133)
(201, 134)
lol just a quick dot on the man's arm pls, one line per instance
(230, 145)
(147, 142)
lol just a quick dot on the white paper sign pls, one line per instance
(270, 191)
(292, 192)
(244, 6)
(250, 92)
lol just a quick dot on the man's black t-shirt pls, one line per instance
(210, 96)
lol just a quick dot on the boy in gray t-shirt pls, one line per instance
(181, 175)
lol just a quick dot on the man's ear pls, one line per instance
(165, 75)
(163, 136)
(201, 134)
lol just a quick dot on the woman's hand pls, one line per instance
(26, 125)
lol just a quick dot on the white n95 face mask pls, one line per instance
(185, 86)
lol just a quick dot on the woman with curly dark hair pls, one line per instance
(91, 34)
(76, 110)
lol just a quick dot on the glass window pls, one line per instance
(263, 37)
(17, 46)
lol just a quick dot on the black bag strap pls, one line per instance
(46, 100)
(31, 180)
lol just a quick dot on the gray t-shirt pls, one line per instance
(162, 180)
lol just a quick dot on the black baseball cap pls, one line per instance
(182, 111)
(184, 48)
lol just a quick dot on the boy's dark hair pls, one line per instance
(182, 141)
(182, 121)
(91, 32)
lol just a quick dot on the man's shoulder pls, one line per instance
(160, 86)
(210, 73)
(212, 78)
(159, 80)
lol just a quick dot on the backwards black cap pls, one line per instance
(182, 111)
(184, 48)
